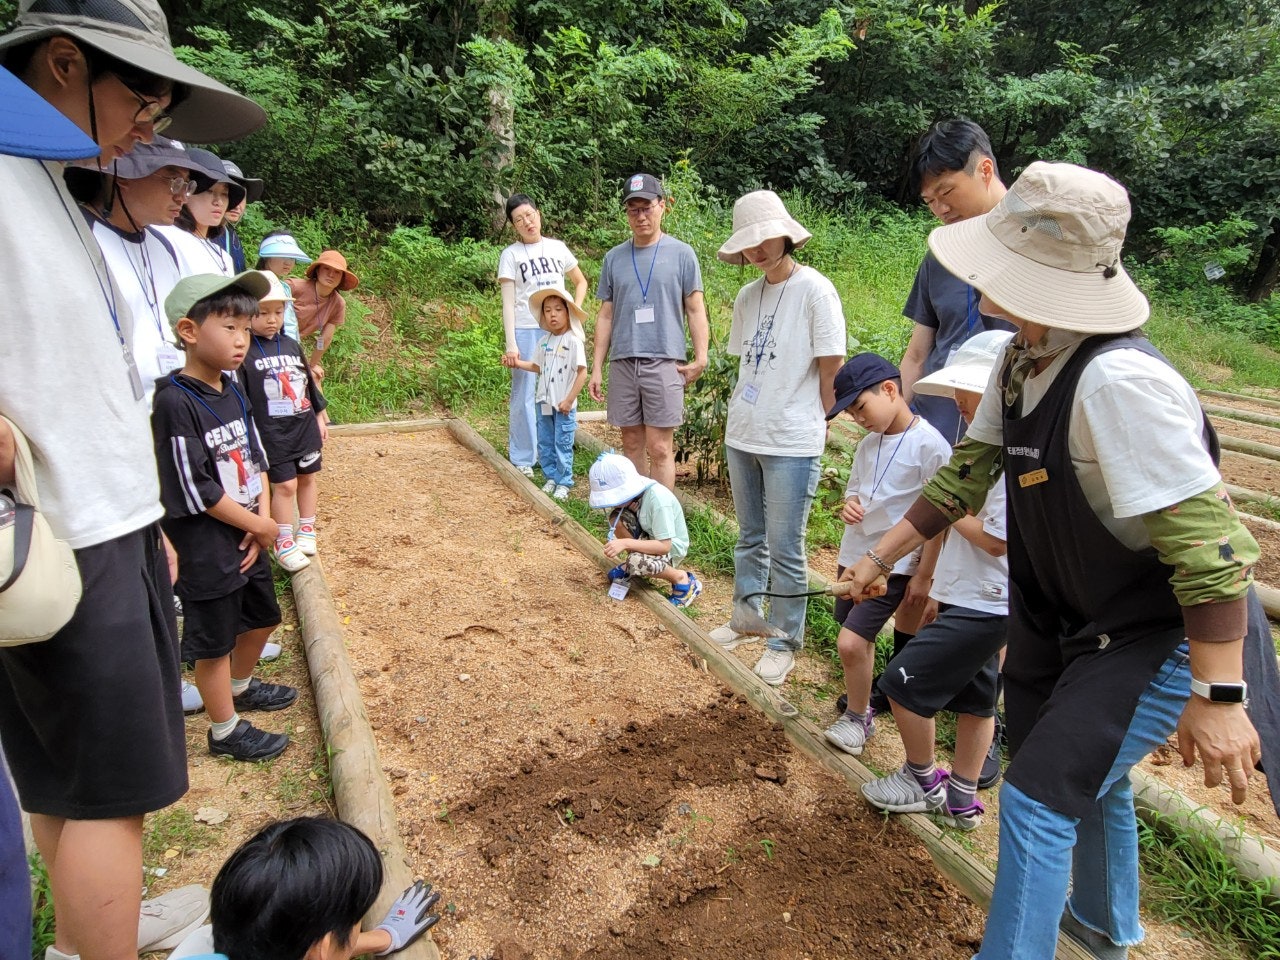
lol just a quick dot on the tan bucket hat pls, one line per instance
(137, 33)
(576, 314)
(1050, 251)
(759, 216)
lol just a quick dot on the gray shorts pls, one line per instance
(951, 664)
(645, 391)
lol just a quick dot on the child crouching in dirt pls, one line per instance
(560, 361)
(297, 890)
(647, 523)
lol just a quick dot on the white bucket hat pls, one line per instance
(576, 314)
(614, 481)
(279, 289)
(757, 217)
(970, 368)
(137, 33)
(1050, 251)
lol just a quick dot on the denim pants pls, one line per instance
(555, 444)
(522, 421)
(1043, 852)
(771, 497)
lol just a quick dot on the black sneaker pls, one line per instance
(879, 702)
(991, 769)
(247, 742)
(842, 704)
(265, 696)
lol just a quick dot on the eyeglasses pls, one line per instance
(178, 186)
(149, 111)
(636, 212)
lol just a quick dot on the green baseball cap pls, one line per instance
(191, 290)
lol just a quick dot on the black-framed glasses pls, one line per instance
(637, 211)
(178, 186)
(149, 111)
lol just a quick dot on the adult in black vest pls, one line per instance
(1112, 482)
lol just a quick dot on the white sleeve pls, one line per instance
(506, 265)
(826, 321)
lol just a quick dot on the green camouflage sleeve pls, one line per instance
(960, 487)
(1210, 550)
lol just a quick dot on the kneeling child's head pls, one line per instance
(870, 388)
(615, 482)
(965, 377)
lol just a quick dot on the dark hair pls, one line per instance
(188, 222)
(518, 200)
(18, 60)
(949, 145)
(788, 246)
(262, 261)
(230, 301)
(290, 885)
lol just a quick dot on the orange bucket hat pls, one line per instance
(332, 258)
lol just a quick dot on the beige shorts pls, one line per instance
(645, 391)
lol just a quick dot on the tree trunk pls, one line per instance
(495, 20)
(1267, 271)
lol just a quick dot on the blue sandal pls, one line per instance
(683, 594)
(619, 573)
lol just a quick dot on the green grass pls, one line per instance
(41, 907)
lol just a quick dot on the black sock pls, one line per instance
(900, 639)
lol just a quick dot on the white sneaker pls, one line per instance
(549, 487)
(774, 666)
(270, 651)
(192, 702)
(850, 735)
(730, 640)
(561, 492)
(527, 471)
(305, 538)
(167, 920)
(290, 556)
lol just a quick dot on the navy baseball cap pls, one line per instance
(860, 373)
(642, 185)
(30, 126)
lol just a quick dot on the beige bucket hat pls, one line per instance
(137, 33)
(759, 216)
(1050, 251)
(576, 314)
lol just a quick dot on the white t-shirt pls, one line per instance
(889, 471)
(533, 266)
(970, 577)
(1136, 436)
(145, 271)
(196, 254)
(779, 330)
(63, 376)
(559, 357)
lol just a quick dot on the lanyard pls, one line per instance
(893, 456)
(279, 371)
(971, 312)
(145, 277)
(215, 254)
(244, 414)
(644, 284)
(763, 329)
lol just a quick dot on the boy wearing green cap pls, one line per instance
(212, 466)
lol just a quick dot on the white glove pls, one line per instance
(410, 916)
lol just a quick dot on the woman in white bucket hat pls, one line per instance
(788, 328)
(1112, 483)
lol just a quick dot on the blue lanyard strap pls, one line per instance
(244, 413)
(972, 315)
(262, 350)
(644, 284)
(892, 457)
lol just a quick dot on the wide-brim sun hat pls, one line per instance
(332, 258)
(30, 126)
(615, 481)
(282, 245)
(137, 33)
(210, 171)
(576, 314)
(970, 368)
(279, 289)
(1049, 252)
(759, 216)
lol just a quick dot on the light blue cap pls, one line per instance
(282, 245)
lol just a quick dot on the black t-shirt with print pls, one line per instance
(207, 447)
(284, 397)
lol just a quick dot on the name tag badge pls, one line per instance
(644, 314)
(280, 408)
(1034, 477)
(751, 393)
(254, 485)
(167, 358)
(618, 590)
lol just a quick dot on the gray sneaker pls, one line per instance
(849, 735)
(727, 638)
(774, 666)
(1098, 944)
(900, 792)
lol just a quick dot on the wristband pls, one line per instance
(884, 567)
(1235, 692)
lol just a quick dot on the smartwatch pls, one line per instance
(1220, 692)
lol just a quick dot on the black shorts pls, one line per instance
(288, 469)
(951, 664)
(210, 627)
(866, 618)
(91, 719)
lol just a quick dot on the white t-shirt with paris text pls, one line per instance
(889, 471)
(532, 266)
(779, 330)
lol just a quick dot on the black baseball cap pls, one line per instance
(642, 185)
(861, 372)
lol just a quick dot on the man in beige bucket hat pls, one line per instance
(1112, 483)
(91, 719)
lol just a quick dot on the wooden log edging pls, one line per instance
(1263, 451)
(1223, 395)
(359, 785)
(1244, 416)
(390, 426)
(971, 876)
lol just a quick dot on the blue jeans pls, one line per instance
(771, 497)
(1042, 852)
(522, 421)
(555, 444)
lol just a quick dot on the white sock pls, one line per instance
(53, 953)
(286, 532)
(240, 686)
(223, 730)
(306, 522)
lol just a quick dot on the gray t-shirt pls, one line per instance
(647, 287)
(943, 302)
